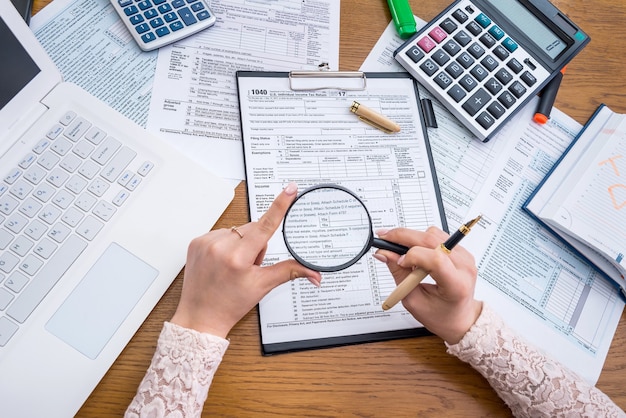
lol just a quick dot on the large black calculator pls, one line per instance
(485, 59)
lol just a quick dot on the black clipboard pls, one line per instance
(301, 81)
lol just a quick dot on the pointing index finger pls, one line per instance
(270, 220)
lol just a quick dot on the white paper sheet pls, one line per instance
(194, 100)
(549, 295)
(92, 48)
(311, 137)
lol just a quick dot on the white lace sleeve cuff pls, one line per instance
(530, 383)
(178, 379)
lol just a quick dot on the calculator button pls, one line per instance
(142, 28)
(483, 20)
(517, 89)
(157, 2)
(457, 93)
(440, 57)
(454, 69)
(438, 34)
(528, 78)
(489, 63)
(170, 17)
(178, 3)
(155, 23)
(477, 101)
(426, 44)
(507, 99)
(448, 25)
(124, 3)
(452, 47)
(415, 54)
(479, 72)
(178, 25)
(493, 86)
(196, 7)
(165, 8)
(136, 19)
(429, 67)
(468, 82)
(496, 32)
(476, 50)
(465, 60)
(148, 37)
(515, 66)
(443, 80)
(510, 44)
(130, 10)
(459, 15)
(485, 120)
(203, 15)
(496, 109)
(504, 76)
(144, 5)
(501, 52)
(151, 13)
(462, 38)
(474, 28)
(162, 31)
(531, 64)
(487, 40)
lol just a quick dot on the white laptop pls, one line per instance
(95, 219)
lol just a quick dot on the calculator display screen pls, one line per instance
(537, 31)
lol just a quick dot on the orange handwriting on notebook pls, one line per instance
(617, 191)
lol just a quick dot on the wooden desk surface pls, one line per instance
(412, 377)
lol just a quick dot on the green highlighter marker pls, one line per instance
(402, 17)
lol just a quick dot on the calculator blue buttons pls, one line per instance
(485, 59)
(156, 23)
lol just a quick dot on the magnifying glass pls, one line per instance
(328, 228)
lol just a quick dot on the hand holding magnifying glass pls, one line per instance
(328, 228)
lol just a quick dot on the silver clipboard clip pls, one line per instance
(318, 80)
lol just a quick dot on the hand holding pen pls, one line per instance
(415, 277)
(447, 307)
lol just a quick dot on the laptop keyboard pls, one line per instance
(52, 204)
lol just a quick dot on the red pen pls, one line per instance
(546, 100)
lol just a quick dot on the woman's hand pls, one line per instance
(223, 278)
(446, 308)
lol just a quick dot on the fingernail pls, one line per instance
(380, 257)
(291, 188)
(400, 260)
(314, 281)
(381, 232)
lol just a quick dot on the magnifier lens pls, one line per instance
(327, 229)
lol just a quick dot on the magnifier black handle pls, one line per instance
(388, 245)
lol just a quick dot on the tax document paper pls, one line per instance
(547, 293)
(194, 99)
(311, 137)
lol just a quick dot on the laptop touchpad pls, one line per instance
(102, 300)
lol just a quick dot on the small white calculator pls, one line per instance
(485, 59)
(156, 23)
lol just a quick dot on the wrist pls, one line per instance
(466, 320)
(216, 328)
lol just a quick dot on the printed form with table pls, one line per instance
(187, 94)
